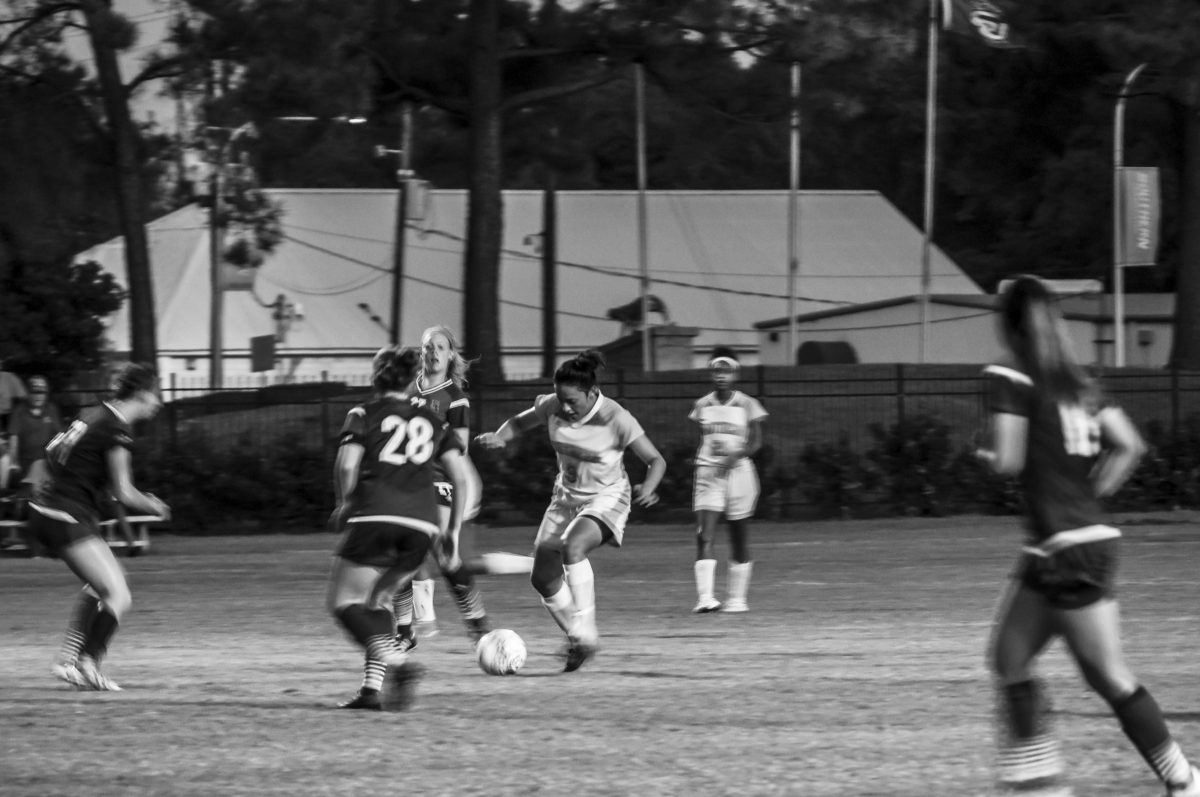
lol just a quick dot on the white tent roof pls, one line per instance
(718, 260)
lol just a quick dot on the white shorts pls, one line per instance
(732, 492)
(610, 509)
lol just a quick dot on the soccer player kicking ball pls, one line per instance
(592, 494)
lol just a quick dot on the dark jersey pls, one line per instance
(1061, 450)
(78, 458)
(402, 439)
(448, 401)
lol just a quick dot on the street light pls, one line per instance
(1118, 218)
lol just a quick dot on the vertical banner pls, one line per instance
(1140, 214)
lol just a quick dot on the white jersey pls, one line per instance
(591, 449)
(724, 426)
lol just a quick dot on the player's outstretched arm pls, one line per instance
(646, 493)
(1125, 449)
(510, 430)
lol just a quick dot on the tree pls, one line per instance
(53, 315)
(32, 41)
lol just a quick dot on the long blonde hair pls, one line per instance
(1033, 328)
(456, 366)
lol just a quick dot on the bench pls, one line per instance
(130, 533)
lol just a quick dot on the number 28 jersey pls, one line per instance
(402, 440)
(1061, 450)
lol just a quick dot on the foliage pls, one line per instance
(51, 317)
(836, 478)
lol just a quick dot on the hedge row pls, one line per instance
(914, 467)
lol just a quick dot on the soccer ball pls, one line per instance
(500, 652)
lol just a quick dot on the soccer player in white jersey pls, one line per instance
(1053, 427)
(726, 482)
(591, 501)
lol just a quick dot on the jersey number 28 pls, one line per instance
(411, 441)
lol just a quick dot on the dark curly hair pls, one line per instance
(580, 370)
(133, 378)
(394, 367)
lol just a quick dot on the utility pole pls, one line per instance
(403, 175)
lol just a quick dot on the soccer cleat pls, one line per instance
(707, 605)
(363, 700)
(69, 673)
(477, 627)
(578, 653)
(1190, 790)
(406, 639)
(95, 679)
(734, 606)
(400, 686)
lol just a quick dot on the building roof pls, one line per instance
(718, 261)
(1097, 308)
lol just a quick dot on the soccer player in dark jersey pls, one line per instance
(1052, 427)
(440, 382)
(387, 509)
(89, 465)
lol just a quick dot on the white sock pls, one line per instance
(423, 600)
(705, 570)
(739, 580)
(561, 608)
(582, 583)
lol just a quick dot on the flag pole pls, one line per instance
(1118, 219)
(931, 94)
(643, 258)
(793, 215)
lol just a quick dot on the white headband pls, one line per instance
(723, 360)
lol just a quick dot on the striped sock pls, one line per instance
(99, 634)
(1143, 723)
(402, 605)
(373, 671)
(81, 620)
(466, 594)
(1029, 753)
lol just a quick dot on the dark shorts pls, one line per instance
(376, 544)
(1074, 577)
(445, 491)
(59, 526)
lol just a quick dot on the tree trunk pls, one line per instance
(481, 285)
(1186, 346)
(131, 202)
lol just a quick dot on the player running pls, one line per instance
(89, 464)
(726, 482)
(440, 382)
(1051, 425)
(387, 507)
(591, 499)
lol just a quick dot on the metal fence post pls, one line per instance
(1174, 402)
(900, 392)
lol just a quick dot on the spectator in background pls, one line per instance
(12, 390)
(31, 426)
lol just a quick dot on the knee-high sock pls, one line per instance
(82, 615)
(100, 633)
(372, 629)
(1028, 750)
(705, 570)
(561, 608)
(402, 605)
(582, 583)
(422, 590)
(466, 594)
(1143, 723)
(739, 580)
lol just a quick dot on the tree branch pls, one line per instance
(25, 23)
(535, 96)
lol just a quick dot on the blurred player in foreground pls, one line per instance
(591, 500)
(1051, 425)
(387, 509)
(726, 482)
(440, 382)
(89, 464)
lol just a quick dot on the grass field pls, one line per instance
(859, 671)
